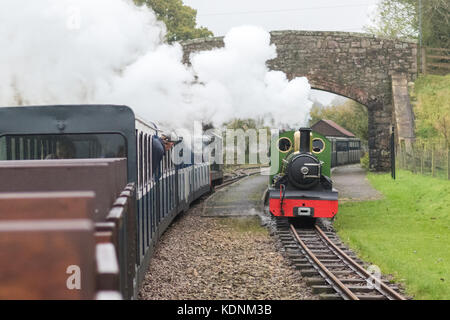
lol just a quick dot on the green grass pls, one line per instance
(407, 234)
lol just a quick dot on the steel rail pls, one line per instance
(235, 179)
(350, 295)
(228, 182)
(390, 292)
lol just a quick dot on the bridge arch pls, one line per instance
(372, 71)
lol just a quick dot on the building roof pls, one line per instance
(331, 129)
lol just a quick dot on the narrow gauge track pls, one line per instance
(244, 174)
(331, 269)
(228, 182)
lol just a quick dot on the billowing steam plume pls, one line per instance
(110, 51)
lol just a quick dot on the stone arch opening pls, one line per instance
(341, 93)
(337, 101)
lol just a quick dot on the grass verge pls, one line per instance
(407, 234)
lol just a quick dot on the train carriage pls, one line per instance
(216, 168)
(344, 151)
(106, 131)
(345, 146)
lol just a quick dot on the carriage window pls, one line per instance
(145, 160)
(355, 145)
(70, 146)
(284, 144)
(140, 162)
(318, 145)
(342, 146)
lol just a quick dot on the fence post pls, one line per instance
(406, 156)
(432, 160)
(414, 158)
(393, 153)
(422, 159)
(448, 163)
(424, 60)
(404, 159)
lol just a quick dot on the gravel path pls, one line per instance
(352, 184)
(220, 258)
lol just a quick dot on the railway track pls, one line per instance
(332, 270)
(228, 182)
(243, 174)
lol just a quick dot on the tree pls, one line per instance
(436, 23)
(395, 19)
(180, 20)
(400, 19)
(351, 116)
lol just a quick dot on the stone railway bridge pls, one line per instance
(372, 71)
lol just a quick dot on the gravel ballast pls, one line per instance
(220, 258)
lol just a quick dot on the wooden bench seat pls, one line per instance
(46, 205)
(36, 257)
(43, 236)
(105, 177)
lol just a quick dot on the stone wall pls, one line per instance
(354, 65)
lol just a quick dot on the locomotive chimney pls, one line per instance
(305, 140)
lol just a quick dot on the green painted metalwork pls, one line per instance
(277, 156)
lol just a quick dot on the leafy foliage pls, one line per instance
(436, 23)
(431, 99)
(365, 162)
(400, 19)
(395, 19)
(351, 116)
(180, 19)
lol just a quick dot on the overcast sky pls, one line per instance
(320, 15)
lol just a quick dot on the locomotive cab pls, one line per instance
(300, 185)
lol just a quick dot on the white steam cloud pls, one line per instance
(110, 51)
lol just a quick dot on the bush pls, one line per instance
(431, 104)
(365, 161)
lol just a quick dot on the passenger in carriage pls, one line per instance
(159, 147)
(65, 149)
